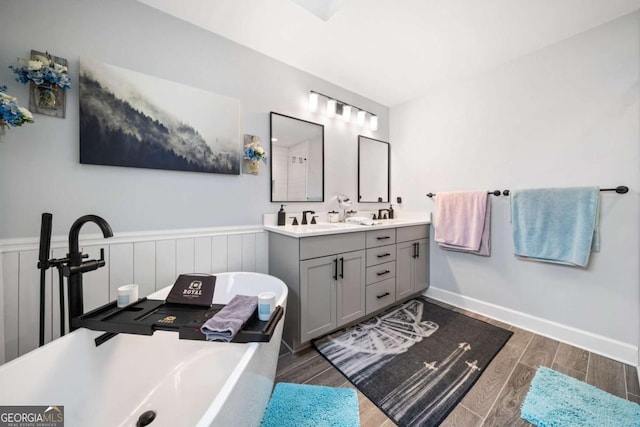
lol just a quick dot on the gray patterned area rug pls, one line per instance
(415, 361)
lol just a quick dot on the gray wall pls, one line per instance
(567, 115)
(39, 166)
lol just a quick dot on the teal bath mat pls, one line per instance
(556, 400)
(302, 405)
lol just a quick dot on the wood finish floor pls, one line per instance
(496, 397)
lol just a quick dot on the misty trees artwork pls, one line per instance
(135, 120)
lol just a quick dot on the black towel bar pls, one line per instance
(621, 189)
(494, 192)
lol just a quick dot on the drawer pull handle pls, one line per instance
(382, 273)
(383, 295)
(383, 237)
(383, 255)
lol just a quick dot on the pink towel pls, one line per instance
(463, 222)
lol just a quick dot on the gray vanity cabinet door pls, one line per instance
(422, 266)
(317, 297)
(404, 269)
(412, 267)
(351, 287)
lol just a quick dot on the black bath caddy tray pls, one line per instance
(146, 316)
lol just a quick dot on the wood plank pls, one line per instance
(506, 410)
(234, 252)
(302, 374)
(330, 377)
(485, 391)
(570, 372)
(631, 375)
(541, 351)
(520, 337)
(165, 263)
(572, 357)
(202, 263)
(462, 417)
(370, 414)
(185, 256)
(120, 267)
(633, 398)
(29, 302)
(249, 252)
(295, 360)
(95, 284)
(606, 374)
(10, 278)
(219, 254)
(144, 267)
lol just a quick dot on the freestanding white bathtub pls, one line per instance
(186, 383)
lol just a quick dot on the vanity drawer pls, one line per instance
(413, 232)
(381, 237)
(315, 247)
(381, 272)
(381, 254)
(380, 295)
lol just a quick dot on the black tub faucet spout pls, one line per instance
(76, 267)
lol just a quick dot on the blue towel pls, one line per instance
(226, 323)
(558, 225)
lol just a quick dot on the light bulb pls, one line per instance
(331, 108)
(346, 113)
(313, 102)
(361, 117)
(373, 124)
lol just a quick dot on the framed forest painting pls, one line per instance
(135, 120)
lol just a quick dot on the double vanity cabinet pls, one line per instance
(337, 277)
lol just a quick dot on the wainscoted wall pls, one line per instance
(151, 259)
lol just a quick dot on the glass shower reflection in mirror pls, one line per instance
(297, 160)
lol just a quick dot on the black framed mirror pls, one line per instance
(297, 160)
(374, 170)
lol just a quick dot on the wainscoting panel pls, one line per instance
(165, 263)
(219, 253)
(29, 302)
(120, 267)
(153, 260)
(10, 275)
(144, 267)
(202, 247)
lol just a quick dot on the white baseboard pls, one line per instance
(599, 344)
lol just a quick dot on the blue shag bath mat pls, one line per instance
(556, 400)
(302, 405)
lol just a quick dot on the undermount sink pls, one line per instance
(321, 226)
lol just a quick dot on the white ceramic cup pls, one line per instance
(127, 294)
(266, 305)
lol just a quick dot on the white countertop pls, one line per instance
(325, 228)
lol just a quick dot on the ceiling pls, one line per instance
(392, 51)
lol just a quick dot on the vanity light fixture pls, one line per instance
(336, 107)
(331, 108)
(373, 124)
(346, 113)
(313, 101)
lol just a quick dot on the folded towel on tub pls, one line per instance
(463, 222)
(558, 225)
(226, 323)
